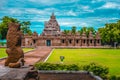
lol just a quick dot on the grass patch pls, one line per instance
(105, 57)
(3, 51)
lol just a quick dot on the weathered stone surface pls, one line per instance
(14, 50)
(7, 73)
(67, 75)
(3, 70)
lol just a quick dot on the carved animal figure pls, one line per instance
(18, 64)
(14, 49)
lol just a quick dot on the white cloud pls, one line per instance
(72, 22)
(95, 1)
(71, 13)
(105, 19)
(85, 9)
(46, 11)
(39, 19)
(34, 11)
(47, 2)
(66, 23)
(110, 5)
(83, 24)
(11, 11)
(52, 2)
(14, 11)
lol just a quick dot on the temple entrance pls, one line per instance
(48, 42)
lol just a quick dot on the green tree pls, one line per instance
(25, 27)
(90, 29)
(4, 25)
(110, 33)
(66, 32)
(80, 32)
(84, 29)
(73, 30)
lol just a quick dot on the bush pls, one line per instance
(97, 69)
(113, 77)
(72, 67)
(49, 66)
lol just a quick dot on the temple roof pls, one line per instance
(51, 27)
(98, 35)
(84, 35)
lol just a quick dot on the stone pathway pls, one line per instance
(39, 54)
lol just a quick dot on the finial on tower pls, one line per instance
(52, 13)
(52, 16)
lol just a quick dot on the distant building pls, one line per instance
(52, 36)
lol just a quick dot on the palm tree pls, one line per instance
(84, 29)
(73, 29)
(90, 29)
(66, 32)
(73, 32)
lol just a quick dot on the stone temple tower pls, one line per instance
(51, 27)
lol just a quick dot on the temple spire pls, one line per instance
(52, 13)
(52, 16)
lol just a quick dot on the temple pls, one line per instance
(52, 36)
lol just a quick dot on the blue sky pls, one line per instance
(79, 13)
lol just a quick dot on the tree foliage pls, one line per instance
(110, 33)
(4, 26)
(66, 32)
(73, 30)
(25, 27)
(83, 29)
(99, 70)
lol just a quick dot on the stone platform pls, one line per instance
(13, 73)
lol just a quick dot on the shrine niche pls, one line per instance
(91, 39)
(84, 39)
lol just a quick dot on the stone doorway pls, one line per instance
(48, 42)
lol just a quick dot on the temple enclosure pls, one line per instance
(53, 36)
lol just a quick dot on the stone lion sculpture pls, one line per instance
(14, 51)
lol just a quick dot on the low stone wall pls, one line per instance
(29, 73)
(67, 75)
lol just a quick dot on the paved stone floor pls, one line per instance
(39, 54)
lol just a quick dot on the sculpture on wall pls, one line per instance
(14, 51)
